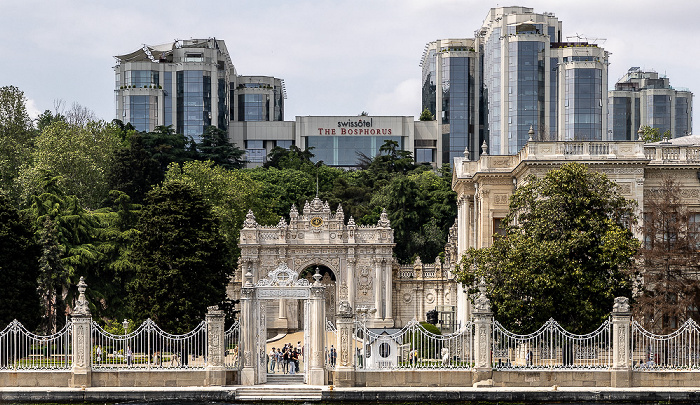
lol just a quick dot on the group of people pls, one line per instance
(286, 358)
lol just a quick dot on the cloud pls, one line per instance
(32, 109)
(404, 99)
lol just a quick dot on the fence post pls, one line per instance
(345, 367)
(621, 319)
(215, 371)
(81, 372)
(483, 320)
(248, 326)
(316, 353)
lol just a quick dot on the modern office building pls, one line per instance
(183, 83)
(532, 77)
(450, 92)
(642, 98)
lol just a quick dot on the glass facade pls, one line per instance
(424, 155)
(222, 119)
(168, 98)
(140, 78)
(551, 132)
(659, 112)
(584, 104)
(142, 110)
(525, 91)
(492, 89)
(255, 151)
(253, 107)
(429, 92)
(343, 150)
(455, 106)
(193, 102)
(681, 118)
(620, 118)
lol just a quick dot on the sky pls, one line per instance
(337, 57)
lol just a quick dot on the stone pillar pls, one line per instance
(483, 321)
(317, 372)
(351, 281)
(81, 372)
(388, 293)
(345, 364)
(620, 375)
(378, 287)
(248, 326)
(215, 370)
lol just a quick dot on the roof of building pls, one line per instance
(680, 141)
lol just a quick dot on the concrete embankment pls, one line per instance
(286, 393)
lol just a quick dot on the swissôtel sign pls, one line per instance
(354, 126)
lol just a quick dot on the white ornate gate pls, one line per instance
(281, 283)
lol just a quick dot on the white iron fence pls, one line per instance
(413, 347)
(552, 347)
(232, 342)
(149, 347)
(679, 350)
(21, 349)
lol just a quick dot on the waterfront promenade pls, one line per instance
(307, 393)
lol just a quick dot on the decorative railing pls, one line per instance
(232, 343)
(413, 347)
(552, 347)
(679, 350)
(21, 349)
(149, 347)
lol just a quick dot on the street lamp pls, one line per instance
(125, 324)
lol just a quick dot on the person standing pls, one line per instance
(271, 360)
(333, 356)
(293, 359)
(285, 359)
(128, 356)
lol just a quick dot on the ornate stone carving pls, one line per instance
(482, 304)
(250, 220)
(500, 199)
(344, 339)
(383, 220)
(364, 282)
(621, 305)
(344, 309)
(81, 306)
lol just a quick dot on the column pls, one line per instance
(215, 371)
(248, 326)
(621, 320)
(317, 372)
(81, 372)
(483, 320)
(345, 366)
(378, 287)
(351, 281)
(388, 293)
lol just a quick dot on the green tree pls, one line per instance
(82, 155)
(426, 115)
(669, 261)
(47, 118)
(566, 254)
(16, 136)
(215, 146)
(18, 267)
(650, 134)
(231, 194)
(134, 171)
(179, 259)
(66, 233)
(292, 158)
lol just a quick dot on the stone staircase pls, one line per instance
(283, 387)
(285, 379)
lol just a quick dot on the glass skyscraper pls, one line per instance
(183, 83)
(642, 98)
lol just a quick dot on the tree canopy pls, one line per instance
(179, 259)
(566, 254)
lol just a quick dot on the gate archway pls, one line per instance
(358, 257)
(281, 283)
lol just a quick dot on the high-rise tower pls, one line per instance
(182, 83)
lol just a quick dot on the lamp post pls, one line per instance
(363, 312)
(125, 325)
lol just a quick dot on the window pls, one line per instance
(284, 144)
(194, 57)
(384, 350)
(498, 227)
